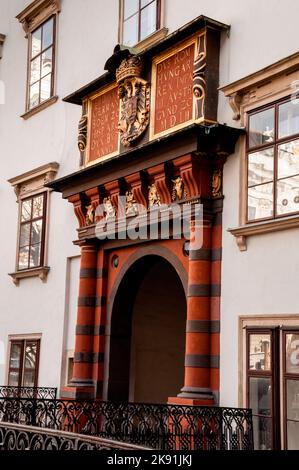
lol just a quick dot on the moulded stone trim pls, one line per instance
(258, 228)
(36, 13)
(41, 272)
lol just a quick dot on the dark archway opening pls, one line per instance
(147, 343)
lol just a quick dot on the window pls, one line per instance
(33, 199)
(41, 64)
(32, 232)
(272, 382)
(140, 18)
(262, 383)
(23, 363)
(273, 161)
(39, 20)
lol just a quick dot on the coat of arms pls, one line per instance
(134, 93)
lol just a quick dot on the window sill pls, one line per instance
(40, 107)
(152, 39)
(241, 233)
(42, 273)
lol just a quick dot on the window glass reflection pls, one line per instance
(261, 128)
(292, 353)
(260, 201)
(260, 167)
(288, 119)
(288, 195)
(259, 352)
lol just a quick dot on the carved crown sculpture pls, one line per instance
(131, 67)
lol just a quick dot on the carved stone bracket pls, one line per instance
(235, 101)
(188, 174)
(41, 272)
(2, 39)
(82, 137)
(79, 209)
(157, 173)
(112, 191)
(135, 184)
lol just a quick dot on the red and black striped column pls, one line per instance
(82, 384)
(100, 321)
(198, 357)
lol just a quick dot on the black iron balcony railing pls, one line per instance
(18, 437)
(28, 392)
(163, 427)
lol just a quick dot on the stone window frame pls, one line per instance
(25, 186)
(153, 38)
(31, 18)
(23, 338)
(260, 89)
(2, 40)
(256, 322)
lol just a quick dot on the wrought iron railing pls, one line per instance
(18, 437)
(163, 427)
(41, 393)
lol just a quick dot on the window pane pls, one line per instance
(48, 33)
(23, 258)
(261, 128)
(145, 2)
(34, 95)
(36, 233)
(36, 44)
(288, 195)
(38, 207)
(260, 201)
(45, 90)
(259, 352)
(13, 379)
(288, 123)
(25, 235)
(28, 379)
(130, 34)
(47, 62)
(292, 353)
(260, 167)
(130, 7)
(35, 70)
(288, 159)
(30, 355)
(262, 433)
(260, 395)
(148, 20)
(26, 210)
(35, 252)
(293, 414)
(15, 356)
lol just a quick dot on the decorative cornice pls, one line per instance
(258, 228)
(34, 179)
(2, 39)
(36, 13)
(236, 91)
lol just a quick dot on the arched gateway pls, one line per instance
(148, 320)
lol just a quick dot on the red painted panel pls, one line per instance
(104, 122)
(174, 90)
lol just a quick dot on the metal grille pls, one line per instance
(163, 427)
(28, 392)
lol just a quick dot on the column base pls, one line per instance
(78, 392)
(193, 396)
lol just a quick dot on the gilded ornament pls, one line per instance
(109, 208)
(178, 191)
(134, 94)
(217, 184)
(131, 204)
(153, 196)
(90, 215)
(82, 135)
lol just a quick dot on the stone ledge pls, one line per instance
(257, 228)
(42, 273)
(45, 104)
